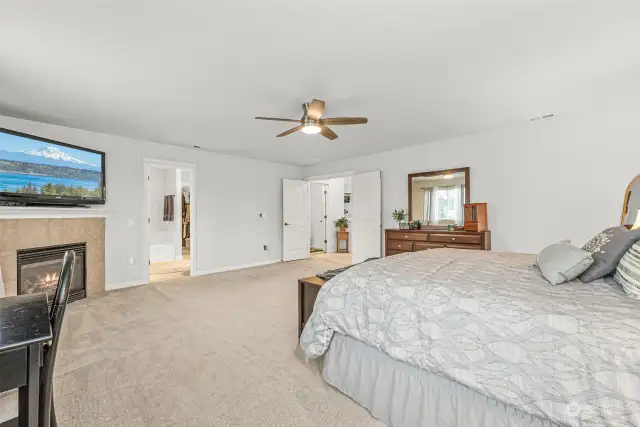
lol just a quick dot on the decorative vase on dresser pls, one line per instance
(400, 241)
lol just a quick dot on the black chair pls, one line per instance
(47, 411)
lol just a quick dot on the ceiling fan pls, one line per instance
(312, 121)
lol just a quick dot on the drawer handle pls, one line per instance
(406, 237)
(399, 246)
(453, 238)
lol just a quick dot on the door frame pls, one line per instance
(193, 247)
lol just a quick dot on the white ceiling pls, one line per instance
(196, 72)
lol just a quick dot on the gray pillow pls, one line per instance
(562, 262)
(628, 272)
(608, 248)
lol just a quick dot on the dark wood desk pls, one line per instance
(308, 289)
(24, 328)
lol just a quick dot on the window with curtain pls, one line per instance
(444, 204)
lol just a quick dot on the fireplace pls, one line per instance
(38, 270)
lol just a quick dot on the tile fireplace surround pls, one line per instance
(35, 233)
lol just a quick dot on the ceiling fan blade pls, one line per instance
(278, 119)
(315, 109)
(344, 121)
(290, 131)
(327, 133)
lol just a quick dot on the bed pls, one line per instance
(468, 338)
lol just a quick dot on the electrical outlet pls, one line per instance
(130, 222)
(132, 261)
(265, 248)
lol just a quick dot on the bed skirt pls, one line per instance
(402, 395)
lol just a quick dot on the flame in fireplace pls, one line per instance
(51, 279)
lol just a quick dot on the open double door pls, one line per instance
(366, 228)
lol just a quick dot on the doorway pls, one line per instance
(330, 204)
(356, 198)
(170, 233)
(318, 216)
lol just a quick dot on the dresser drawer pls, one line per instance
(456, 238)
(399, 245)
(419, 246)
(399, 235)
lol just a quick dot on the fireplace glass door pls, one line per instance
(39, 269)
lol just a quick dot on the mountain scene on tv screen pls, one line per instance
(29, 166)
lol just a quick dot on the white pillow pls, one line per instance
(562, 262)
(538, 257)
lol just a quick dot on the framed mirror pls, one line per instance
(631, 207)
(437, 198)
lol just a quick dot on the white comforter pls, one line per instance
(570, 353)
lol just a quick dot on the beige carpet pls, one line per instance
(215, 350)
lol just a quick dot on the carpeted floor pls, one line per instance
(217, 350)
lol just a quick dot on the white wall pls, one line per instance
(161, 232)
(185, 177)
(231, 192)
(544, 181)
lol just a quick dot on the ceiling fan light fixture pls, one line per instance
(313, 123)
(311, 129)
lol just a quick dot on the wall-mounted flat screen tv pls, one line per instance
(36, 170)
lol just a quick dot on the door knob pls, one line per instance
(286, 223)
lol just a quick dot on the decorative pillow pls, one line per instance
(562, 262)
(537, 262)
(628, 272)
(608, 248)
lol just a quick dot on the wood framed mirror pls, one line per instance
(437, 198)
(631, 207)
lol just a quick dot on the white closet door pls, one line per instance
(295, 215)
(366, 229)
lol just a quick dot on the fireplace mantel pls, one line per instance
(23, 232)
(33, 212)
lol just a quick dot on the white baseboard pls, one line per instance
(130, 284)
(236, 267)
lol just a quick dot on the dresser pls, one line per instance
(400, 241)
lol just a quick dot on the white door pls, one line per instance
(318, 194)
(295, 215)
(366, 227)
